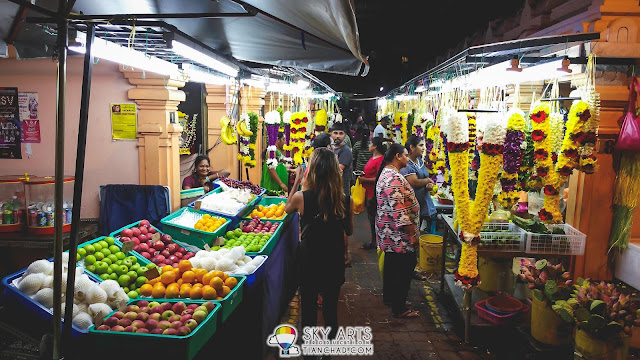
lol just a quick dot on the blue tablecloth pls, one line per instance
(244, 335)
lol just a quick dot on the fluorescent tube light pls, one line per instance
(126, 56)
(420, 89)
(203, 59)
(197, 75)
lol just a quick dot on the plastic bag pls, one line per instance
(381, 263)
(629, 138)
(358, 195)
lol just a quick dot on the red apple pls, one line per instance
(142, 316)
(191, 324)
(103, 327)
(175, 265)
(173, 259)
(144, 223)
(185, 317)
(164, 324)
(152, 230)
(166, 238)
(144, 246)
(210, 306)
(182, 250)
(111, 321)
(188, 312)
(126, 233)
(170, 331)
(130, 329)
(124, 239)
(143, 238)
(118, 314)
(158, 245)
(135, 231)
(178, 254)
(157, 331)
(151, 324)
(173, 247)
(137, 248)
(150, 243)
(176, 324)
(184, 331)
(154, 316)
(138, 324)
(142, 303)
(179, 307)
(174, 318)
(143, 230)
(136, 240)
(198, 316)
(134, 308)
(191, 306)
(146, 255)
(165, 253)
(124, 322)
(117, 328)
(166, 306)
(142, 330)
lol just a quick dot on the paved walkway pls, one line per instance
(430, 336)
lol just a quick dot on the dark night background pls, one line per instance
(417, 30)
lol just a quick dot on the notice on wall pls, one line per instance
(28, 103)
(123, 121)
(10, 126)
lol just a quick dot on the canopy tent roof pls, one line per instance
(321, 35)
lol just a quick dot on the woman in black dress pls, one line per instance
(325, 218)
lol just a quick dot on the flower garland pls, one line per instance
(430, 150)
(526, 168)
(298, 133)
(471, 215)
(244, 153)
(272, 121)
(286, 121)
(400, 128)
(588, 162)
(568, 159)
(512, 158)
(472, 135)
(541, 142)
(321, 122)
(556, 134)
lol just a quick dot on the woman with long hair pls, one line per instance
(325, 216)
(368, 180)
(201, 176)
(417, 175)
(397, 230)
(361, 149)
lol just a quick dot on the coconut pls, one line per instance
(82, 320)
(99, 309)
(195, 262)
(40, 267)
(96, 295)
(225, 265)
(44, 297)
(31, 283)
(47, 281)
(65, 259)
(223, 251)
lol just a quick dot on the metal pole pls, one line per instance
(77, 189)
(59, 182)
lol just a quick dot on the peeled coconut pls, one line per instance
(65, 259)
(42, 266)
(45, 297)
(31, 283)
(99, 309)
(223, 251)
(82, 320)
(240, 263)
(246, 259)
(96, 295)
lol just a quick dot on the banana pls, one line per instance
(226, 134)
(239, 129)
(243, 131)
(224, 121)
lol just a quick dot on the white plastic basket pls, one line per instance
(502, 236)
(572, 243)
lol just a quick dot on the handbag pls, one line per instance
(629, 138)
(358, 195)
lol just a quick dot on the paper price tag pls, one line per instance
(155, 237)
(218, 242)
(98, 320)
(152, 273)
(206, 247)
(127, 246)
(122, 306)
(197, 205)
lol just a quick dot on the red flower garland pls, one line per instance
(457, 147)
(545, 215)
(542, 171)
(541, 154)
(539, 116)
(550, 190)
(492, 149)
(538, 135)
(565, 171)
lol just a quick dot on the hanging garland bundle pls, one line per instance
(253, 127)
(272, 121)
(471, 215)
(432, 152)
(298, 133)
(540, 136)
(512, 158)
(568, 159)
(556, 134)
(286, 121)
(588, 162)
(472, 135)
(400, 128)
(321, 122)
(244, 139)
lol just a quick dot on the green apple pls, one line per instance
(141, 280)
(114, 249)
(107, 260)
(104, 276)
(113, 276)
(99, 256)
(106, 252)
(91, 268)
(89, 260)
(125, 289)
(101, 267)
(78, 257)
(153, 304)
(124, 280)
(138, 291)
(113, 258)
(132, 274)
(229, 235)
(141, 270)
(110, 270)
(120, 255)
(119, 262)
(132, 286)
(132, 294)
(121, 270)
(82, 252)
(97, 246)
(237, 232)
(133, 259)
(114, 267)
(215, 248)
(135, 267)
(89, 249)
(103, 243)
(127, 263)
(109, 240)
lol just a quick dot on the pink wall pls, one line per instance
(106, 161)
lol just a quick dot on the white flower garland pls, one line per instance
(272, 117)
(457, 128)
(286, 117)
(495, 131)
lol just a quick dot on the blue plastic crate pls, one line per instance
(251, 278)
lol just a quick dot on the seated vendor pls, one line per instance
(201, 176)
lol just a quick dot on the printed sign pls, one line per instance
(28, 103)
(31, 131)
(10, 127)
(123, 121)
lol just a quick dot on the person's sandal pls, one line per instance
(408, 314)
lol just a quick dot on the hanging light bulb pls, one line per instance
(565, 65)
(515, 65)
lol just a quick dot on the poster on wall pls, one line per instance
(9, 124)
(28, 103)
(123, 121)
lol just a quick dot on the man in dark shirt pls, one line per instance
(345, 157)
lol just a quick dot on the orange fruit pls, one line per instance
(218, 273)
(231, 282)
(146, 290)
(167, 268)
(198, 285)
(225, 276)
(200, 273)
(218, 298)
(153, 281)
(216, 283)
(184, 265)
(159, 284)
(225, 290)
(168, 277)
(196, 292)
(172, 291)
(158, 292)
(179, 282)
(209, 293)
(188, 276)
(206, 279)
(185, 291)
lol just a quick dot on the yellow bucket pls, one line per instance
(546, 324)
(495, 274)
(430, 252)
(592, 348)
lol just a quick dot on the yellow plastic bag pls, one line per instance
(381, 263)
(358, 195)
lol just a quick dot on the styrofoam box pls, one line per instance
(628, 265)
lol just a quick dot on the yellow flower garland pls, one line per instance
(489, 168)
(468, 265)
(542, 146)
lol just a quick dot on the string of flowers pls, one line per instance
(430, 149)
(471, 215)
(512, 158)
(321, 122)
(540, 136)
(286, 121)
(473, 172)
(253, 126)
(309, 135)
(298, 133)
(272, 121)
(244, 154)
(526, 168)
(556, 134)
(588, 162)
(568, 159)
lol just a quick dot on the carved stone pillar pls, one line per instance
(157, 98)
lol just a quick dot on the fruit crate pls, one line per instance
(190, 235)
(141, 260)
(502, 236)
(571, 243)
(251, 278)
(266, 201)
(32, 312)
(160, 346)
(116, 234)
(230, 302)
(269, 245)
(235, 218)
